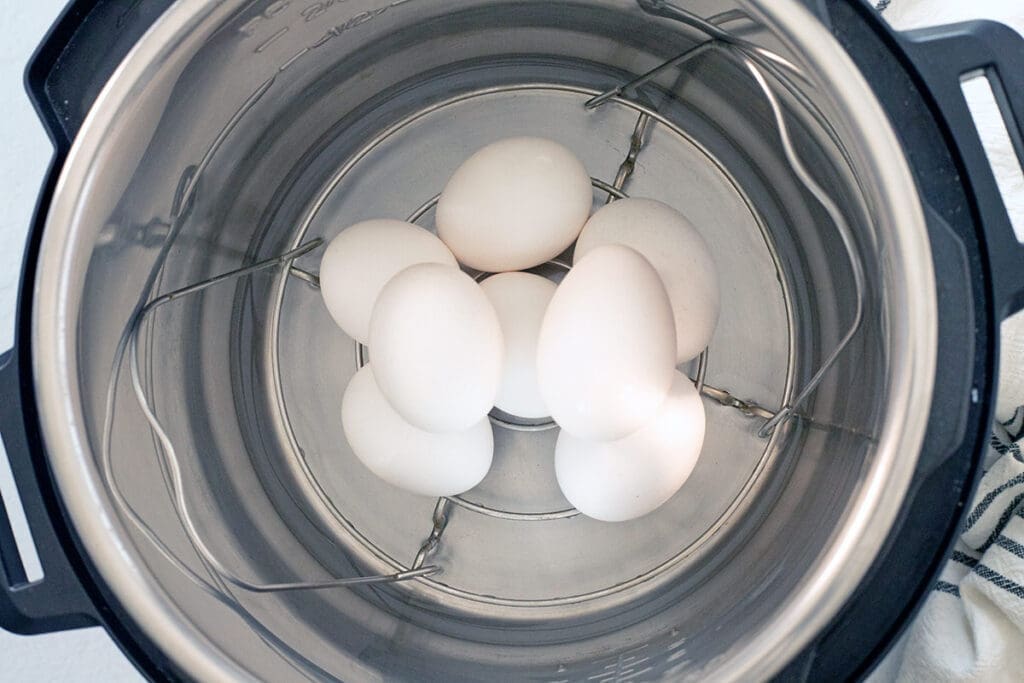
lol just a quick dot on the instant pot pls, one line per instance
(171, 409)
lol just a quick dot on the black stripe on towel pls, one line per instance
(1015, 426)
(998, 444)
(946, 587)
(998, 579)
(1011, 509)
(964, 558)
(1011, 546)
(1011, 447)
(980, 508)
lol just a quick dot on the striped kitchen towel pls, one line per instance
(972, 626)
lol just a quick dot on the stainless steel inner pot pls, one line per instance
(236, 131)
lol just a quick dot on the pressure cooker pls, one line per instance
(171, 406)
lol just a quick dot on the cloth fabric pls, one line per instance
(971, 628)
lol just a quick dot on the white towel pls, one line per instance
(972, 626)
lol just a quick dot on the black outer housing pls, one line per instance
(979, 280)
(63, 79)
(978, 268)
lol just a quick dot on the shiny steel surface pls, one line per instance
(251, 128)
(172, 465)
(614, 575)
(773, 420)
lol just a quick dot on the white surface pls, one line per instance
(520, 299)
(669, 241)
(359, 262)
(420, 462)
(84, 655)
(607, 350)
(615, 481)
(514, 204)
(26, 148)
(436, 347)
(971, 628)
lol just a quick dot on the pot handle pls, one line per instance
(78, 55)
(944, 56)
(58, 600)
(63, 79)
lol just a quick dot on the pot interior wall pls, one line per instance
(275, 124)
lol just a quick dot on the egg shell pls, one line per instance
(514, 204)
(677, 251)
(607, 347)
(436, 347)
(407, 457)
(362, 258)
(520, 300)
(615, 481)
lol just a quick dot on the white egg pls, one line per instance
(669, 241)
(607, 348)
(410, 458)
(362, 258)
(514, 204)
(520, 300)
(436, 347)
(614, 481)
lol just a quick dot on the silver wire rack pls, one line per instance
(762, 65)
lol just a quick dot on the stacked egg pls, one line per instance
(598, 353)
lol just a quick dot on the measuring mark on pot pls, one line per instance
(308, 14)
(269, 41)
(312, 12)
(356, 20)
(269, 12)
(294, 58)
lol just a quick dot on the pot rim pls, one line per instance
(835, 574)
